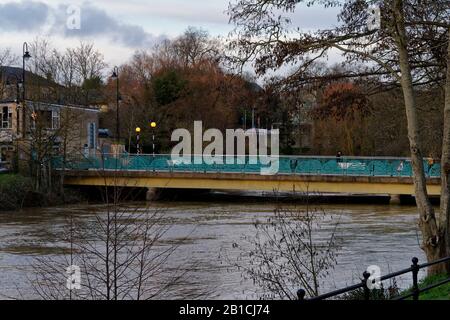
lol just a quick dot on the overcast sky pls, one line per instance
(119, 27)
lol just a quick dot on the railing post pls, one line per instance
(301, 294)
(415, 272)
(366, 276)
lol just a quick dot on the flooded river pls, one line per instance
(381, 235)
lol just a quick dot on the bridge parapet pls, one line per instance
(288, 165)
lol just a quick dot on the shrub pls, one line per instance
(14, 190)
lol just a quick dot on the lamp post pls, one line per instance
(138, 140)
(26, 55)
(153, 126)
(115, 76)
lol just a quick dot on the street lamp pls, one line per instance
(115, 76)
(26, 56)
(153, 126)
(138, 139)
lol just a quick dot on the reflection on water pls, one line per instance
(381, 235)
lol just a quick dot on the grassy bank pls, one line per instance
(439, 293)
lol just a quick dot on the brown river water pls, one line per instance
(382, 235)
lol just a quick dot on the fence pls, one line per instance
(344, 166)
(415, 291)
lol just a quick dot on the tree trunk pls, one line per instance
(444, 216)
(427, 220)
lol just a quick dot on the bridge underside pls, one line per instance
(350, 185)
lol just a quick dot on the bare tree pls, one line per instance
(49, 137)
(72, 74)
(195, 46)
(66, 65)
(121, 256)
(7, 58)
(89, 62)
(408, 50)
(287, 253)
(43, 63)
(444, 217)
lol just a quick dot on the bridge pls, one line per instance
(316, 175)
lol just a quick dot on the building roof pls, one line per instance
(58, 94)
(55, 105)
(253, 86)
(13, 71)
(68, 105)
(8, 71)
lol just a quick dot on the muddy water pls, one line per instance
(381, 235)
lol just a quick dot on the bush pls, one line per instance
(14, 190)
(286, 252)
(383, 293)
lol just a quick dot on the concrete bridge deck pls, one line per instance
(232, 181)
(355, 176)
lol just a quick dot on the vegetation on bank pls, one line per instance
(16, 192)
(392, 291)
(439, 293)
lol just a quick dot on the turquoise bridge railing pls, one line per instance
(288, 165)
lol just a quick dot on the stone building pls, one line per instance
(37, 129)
(43, 125)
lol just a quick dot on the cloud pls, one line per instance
(192, 11)
(97, 23)
(25, 15)
(43, 18)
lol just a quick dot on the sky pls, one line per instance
(120, 27)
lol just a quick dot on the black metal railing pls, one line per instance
(414, 292)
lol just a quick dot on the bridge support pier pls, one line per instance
(153, 194)
(396, 199)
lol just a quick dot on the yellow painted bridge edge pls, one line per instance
(346, 185)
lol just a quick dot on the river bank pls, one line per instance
(440, 293)
(17, 192)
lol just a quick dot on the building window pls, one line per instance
(92, 135)
(6, 118)
(56, 148)
(3, 151)
(46, 119)
(55, 119)
(33, 118)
